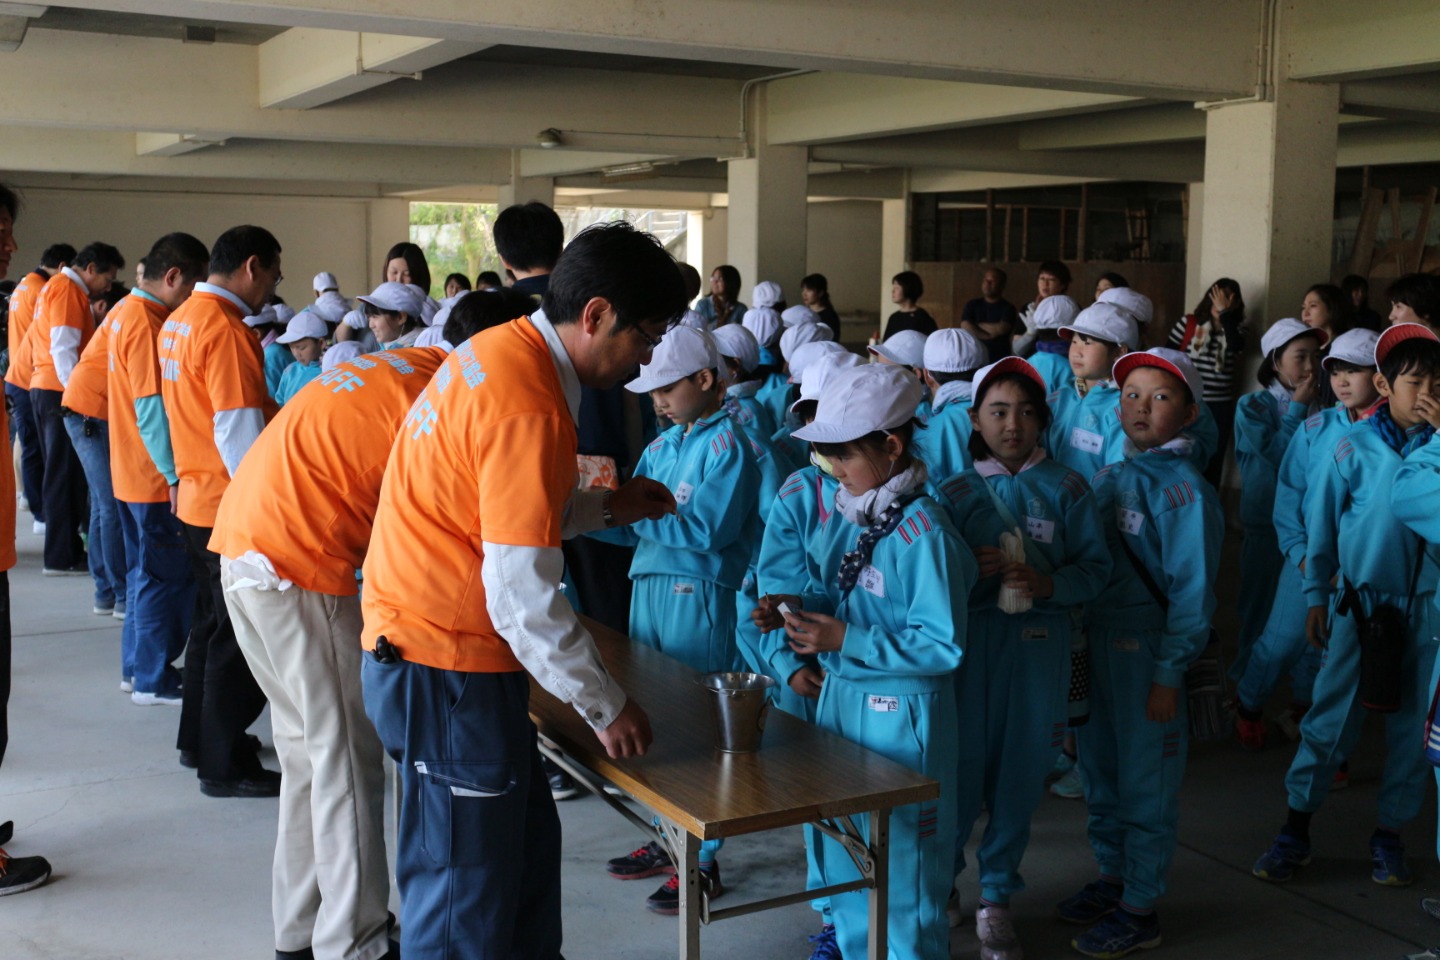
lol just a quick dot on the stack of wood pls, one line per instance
(1400, 254)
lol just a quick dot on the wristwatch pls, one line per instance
(605, 509)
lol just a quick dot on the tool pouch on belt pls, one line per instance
(1432, 731)
(1383, 636)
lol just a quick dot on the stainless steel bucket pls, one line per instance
(740, 702)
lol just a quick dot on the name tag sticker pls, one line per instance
(1125, 644)
(1087, 441)
(1041, 531)
(1035, 633)
(884, 704)
(682, 493)
(684, 589)
(1131, 521)
(872, 581)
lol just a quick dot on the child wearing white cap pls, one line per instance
(689, 565)
(395, 313)
(277, 355)
(305, 336)
(1265, 421)
(799, 360)
(1281, 647)
(1052, 352)
(329, 305)
(1085, 433)
(764, 324)
(740, 352)
(950, 360)
(1163, 527)
(1037, 536)
(883, 613)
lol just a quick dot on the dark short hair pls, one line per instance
(625, 266)
(943, 377)
(488, 278)
(101, 256)
(912, 288)
(9, 201)
(1056, 269)
(1337, 304)
(1034, 393)
(731, 276)
(1336, 365)
(459, 278)
(1202, 309)
(1418, 354)
(112, 294)
(239, 244)
(1000, 275)
(176, 250)
(872, 441)
(529, 236)
(483, 309)
(57, 255)
(1418, 291)
(691, 276)
(1353, 282)
(414, 258)
(1114, 279)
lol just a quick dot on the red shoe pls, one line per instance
(1342, 779)
(1252, 733)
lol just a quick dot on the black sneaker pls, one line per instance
(666, 900)
(18, 874)
(639, 864)
(261, 783)
(562, 785)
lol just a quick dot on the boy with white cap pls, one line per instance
(906, 348)
(688, 565)
(799, 360)
(883, 612)
(1367, 569)
(1164, 529)
(329, 305)
(395, 313)
(948, 364)
(797, 315)
(1052, 352)
(765, 326)
(740, 352)
(1265, 422)
(305, 336)
(1085, 429)
(1281, 647)
(1130, 300)
(767, 295)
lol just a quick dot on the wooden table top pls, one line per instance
(800, 774)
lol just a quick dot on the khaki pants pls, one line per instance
(331, 881)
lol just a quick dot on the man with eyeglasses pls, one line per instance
(212, 381)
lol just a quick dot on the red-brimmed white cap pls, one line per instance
(1397, 335)
(1163, 358)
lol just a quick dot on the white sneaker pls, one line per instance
(127, 685)
(141, 699)
(954, 914)
(996, 932)
(37, 527)
(1071, 786)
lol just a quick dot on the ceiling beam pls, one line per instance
(170, 144)
(1332, 40)
(1168, 49)
(305, 67)
(1395, 98)
(1378, 144)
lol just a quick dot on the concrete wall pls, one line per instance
(343, 235)
(844, 244)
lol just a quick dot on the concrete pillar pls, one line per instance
(707, 242)
(1269, 197)
(522, 189)
(768, 208)
(1194, 230)
(388, 223)
(894, 248)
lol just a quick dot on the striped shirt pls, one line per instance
(1213, 352)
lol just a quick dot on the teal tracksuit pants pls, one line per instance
(1012, 697)
(1132, 765)
(1331, 729)
(1260, 563)
(919, 730)
(1281, 647)
(747, 639)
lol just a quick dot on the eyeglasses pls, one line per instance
(650, 342)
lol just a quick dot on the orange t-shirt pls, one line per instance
(63, 303)
(486, 453)
(134, 324)
(22, 313)
(305, 494)
(209, 362)
(86, 393)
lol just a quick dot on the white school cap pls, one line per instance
(355, 319)
(325, 280)
(1104, 321)
(304, 325)
(764, 323)
(808, 354)
(1398, 334)
(692, 319)
(800, 335)
(906, 348)
(264, 315)
(682, 351)
(284, 313)
(394, 297)
(434, 336)
(953, 350)
(822, 370)
(1008, 365)
(1353, 346)
(734, 341)
(862, 400)
(342, 352)
(330, 307)
(1055, 312)
(437, 322)
(1282, 332)
(798, 314)
(1163, 358)
(1130, 300)
(428, 304)
(766, 294)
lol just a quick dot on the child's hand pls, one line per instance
(1306, 389)
(1163, 704)
(990, 559)
(767, 615)
(811, 633)
(1029, 581)
(807, 680)
(1317, 631)
(641, 498)
(1429, 408)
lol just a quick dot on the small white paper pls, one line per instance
(1086, 440)
(872, 581)
(884, 704)
(682, 493)
(1041, 531)
(1131, 521)
(684, 589)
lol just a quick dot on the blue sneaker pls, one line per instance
(825, 946)
(1278, 864)
(1071, 786)
(1387, 862)
(1095, 902)
(1119, 935)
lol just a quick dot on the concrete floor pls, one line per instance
(146, 867)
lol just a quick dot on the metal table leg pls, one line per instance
(880, 895)
(685, 849)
